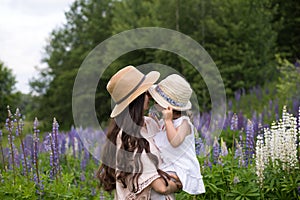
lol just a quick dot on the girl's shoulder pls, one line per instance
(180, 120)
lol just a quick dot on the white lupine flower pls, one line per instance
(269, 146)
(259, 161)
(279, 145)
(291, 146)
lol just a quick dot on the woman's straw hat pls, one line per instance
(127, 84)
(173, 91)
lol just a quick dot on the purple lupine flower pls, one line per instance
(63, 145)
(35, 150)
(198, 142)
(238, 149)
(19, 130)
(85, 159)
(240, 121)
(234, 122)
(249, 151)
(80, 148)
(23, 162)
(40, 188)
(52, 162)
(55, 136)
(237, 95)
(255, 122)
(295, 106)
(82, 177)
(224, 150)
(200, 147)
(229, 104)
(271, 105)
(239, 152)
(71, 143)
(9, 126)
(216, 150)
(28, 148)
(297, 63)
(228, 119)
(276, 110)
(54, 149)
(1, 149)
(93, 191)
(298, 125)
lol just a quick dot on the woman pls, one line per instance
(130, 159)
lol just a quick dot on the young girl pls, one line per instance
(176, 140)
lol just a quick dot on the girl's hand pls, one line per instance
(167, 114)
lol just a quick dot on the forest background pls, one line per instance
(254, 44)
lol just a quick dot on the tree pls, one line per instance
(286, 23)
(237, 34)
(8, 94)
(88, 24)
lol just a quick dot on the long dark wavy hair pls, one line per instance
(131, 120)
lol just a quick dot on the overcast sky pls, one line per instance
(25, 26)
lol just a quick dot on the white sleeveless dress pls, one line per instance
(181, 159)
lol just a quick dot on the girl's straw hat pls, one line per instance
(127, 84)
(173, 91)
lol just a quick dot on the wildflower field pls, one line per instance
(250, 159)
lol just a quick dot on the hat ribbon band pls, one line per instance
(132, 91)
(168, 99)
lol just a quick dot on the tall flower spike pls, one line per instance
(35, 150)
(216, 150)
(259, 160)
(224, 150)
(1, 149)
(9, 124)
(234, 122)
(55, 149)
(298, 128)
(249, 142)
(19, 130)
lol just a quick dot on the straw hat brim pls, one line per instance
(164, 103)
(150, 79)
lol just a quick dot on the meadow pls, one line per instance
(254, 157)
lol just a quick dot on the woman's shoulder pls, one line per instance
(151, 122)
(152, 127)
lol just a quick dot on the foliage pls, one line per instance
(88, 24)
(55, 166)
(285, 22)
(8, 94)
(289, 82)
(237, 34)
(229, 171)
